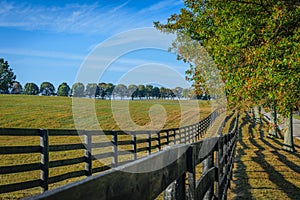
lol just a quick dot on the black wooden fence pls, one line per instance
(217, 155)
(137, 144)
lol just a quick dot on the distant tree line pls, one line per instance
(105, 91)
(9, 85)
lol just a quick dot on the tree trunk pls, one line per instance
(288, 144)
(274, 129)
(256, 114)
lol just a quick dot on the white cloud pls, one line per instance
(46, 54)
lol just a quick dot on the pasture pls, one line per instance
(18, 111)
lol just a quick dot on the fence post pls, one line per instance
(149, 143)
(176, 190)
(134, 145)
(207, 164)
(88, 153)
(158, 141)
(168, 137)
(44, 143)
(191, 169)
(115, 148)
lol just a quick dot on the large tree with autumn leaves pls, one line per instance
(254, 44)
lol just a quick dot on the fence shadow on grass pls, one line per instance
(242, 189)
(289, 188)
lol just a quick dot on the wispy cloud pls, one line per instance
(78, 18)
(46, 54)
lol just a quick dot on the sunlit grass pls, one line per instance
(18, 111)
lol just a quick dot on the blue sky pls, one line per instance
(51, 40)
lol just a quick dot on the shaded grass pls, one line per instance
(262, 169)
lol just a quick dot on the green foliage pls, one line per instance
(120, 90)
(109, 88)
(63, 89)
(16, 88)
(141, 91)
(92, 90)
(47, 89)
(254, 44)
(31, 89)
(132, 91)
(78, 90)
(6, 76)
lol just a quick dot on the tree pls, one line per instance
(156, 92)
(31, 89)
(63, 89)
(77, 90)
(109, 88)
(16, 88)
(163, 92)
(149, 89)
(6, 76)
(92, 90)
(253, 43)
(47, 89)
(141, 91)
(120, 90)
(102, 92)
(178, 92)
(132, 91)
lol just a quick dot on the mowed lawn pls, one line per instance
(24, 111)
(21, 111)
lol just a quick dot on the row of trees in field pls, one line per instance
(104, 91)
(8, 84)
(255, 46)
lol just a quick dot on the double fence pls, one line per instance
(178, 177)
(120, 146)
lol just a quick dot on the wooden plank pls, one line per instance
(204, 148)
(121, 184)
(19, 132)
(140, 141)
(102, 155)
(66, 147)
(19, 186)
(19, 149)
(71, 161)
(142, 149)
(100, 169)
(63, 132)
(68, 175)
(19, 168)
(125, 142)
(204, 183)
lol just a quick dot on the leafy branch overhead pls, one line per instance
(254, 44)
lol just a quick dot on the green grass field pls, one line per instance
(18, 111)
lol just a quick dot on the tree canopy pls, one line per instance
(31, 89)
(254, 44)
(63, 89)
(6, 76)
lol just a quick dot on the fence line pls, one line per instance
(216, 154)
(149, 142)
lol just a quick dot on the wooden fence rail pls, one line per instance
(216, 154)
(135, 144)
